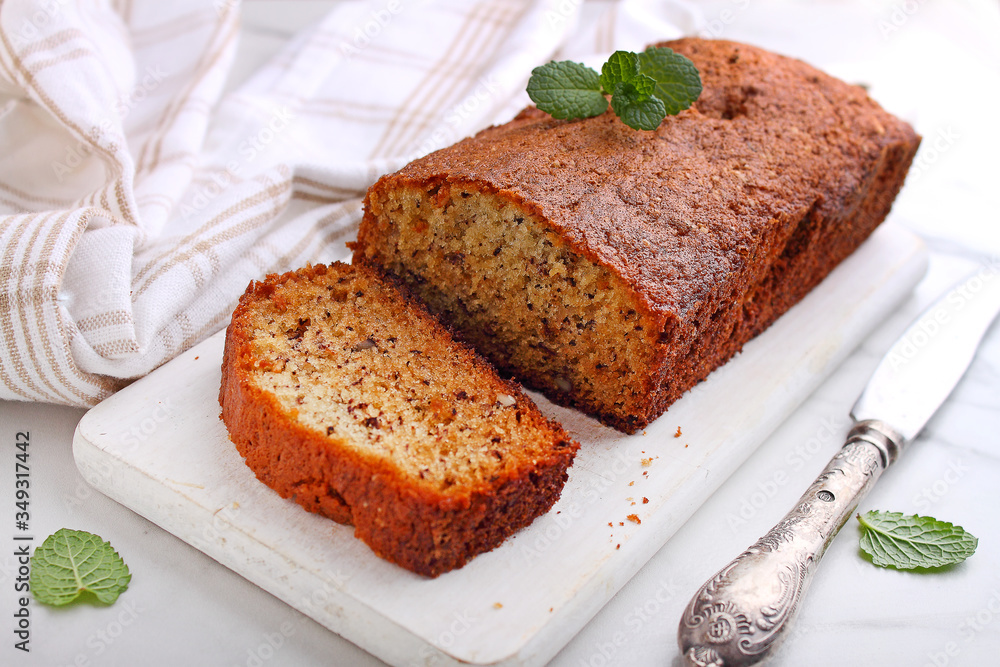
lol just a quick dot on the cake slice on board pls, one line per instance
(344, 394)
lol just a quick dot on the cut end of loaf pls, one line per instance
(539, 310)
(348, 397)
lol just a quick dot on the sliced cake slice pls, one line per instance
(344, 394)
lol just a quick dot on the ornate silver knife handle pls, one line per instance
(740, 616)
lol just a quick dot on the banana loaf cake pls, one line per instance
(613, 269)
(343, 393)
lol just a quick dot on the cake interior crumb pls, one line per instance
(346, 361)
(519, 294)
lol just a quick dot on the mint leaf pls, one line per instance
(622, 66)
(631, 92)
(70, 562)
(644, 87)
(567, 90)
(906, 542)
(678, 84)
(638, 88)
(638, 113)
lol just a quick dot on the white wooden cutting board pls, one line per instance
(159, 447)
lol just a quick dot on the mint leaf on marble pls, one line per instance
(906, 542)
(71, 562)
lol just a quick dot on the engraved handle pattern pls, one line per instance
(740, 615)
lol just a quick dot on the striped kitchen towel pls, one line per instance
(138, 197)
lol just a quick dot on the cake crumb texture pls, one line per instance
(342, 393)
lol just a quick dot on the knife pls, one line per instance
(740, 616)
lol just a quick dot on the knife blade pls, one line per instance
(740, 616)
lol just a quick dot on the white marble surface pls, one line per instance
(936, 64)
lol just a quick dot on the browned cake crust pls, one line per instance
(348, 397)
(613, 269)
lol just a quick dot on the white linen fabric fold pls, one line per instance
(137, 201)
